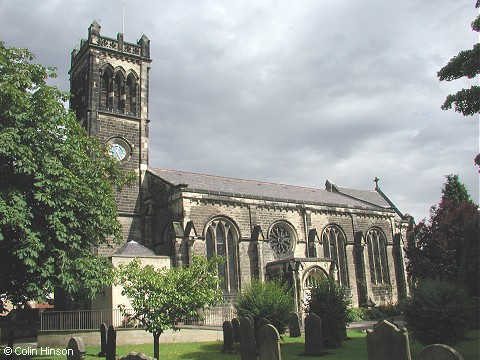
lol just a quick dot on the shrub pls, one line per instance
(390, 310)
(374, 313)
(438, 312)
(328, 300)
(355, 314)
(269, 299)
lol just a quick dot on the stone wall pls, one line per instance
(253, 256)
(129, 336)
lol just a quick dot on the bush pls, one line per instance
(390, 310)
(269, 299)
(438, 312)
(374, 313)
(355, 314)
(328, 300)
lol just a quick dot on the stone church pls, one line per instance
(264, 230)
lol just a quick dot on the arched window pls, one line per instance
(313, 278)
(334, 247)
(221, 239)
(282, 239)
(377, 256)
(130, 95)
(118, 91)
(105, 89)
(311, 249)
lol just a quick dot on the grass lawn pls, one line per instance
(355, 348)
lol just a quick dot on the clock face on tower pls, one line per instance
(118, 152)
(119, 148)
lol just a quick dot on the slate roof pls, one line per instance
(132, 248)
(219, 185)
(370, 196)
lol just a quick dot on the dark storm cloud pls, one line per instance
(290, 92)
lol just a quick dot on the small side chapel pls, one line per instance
(264, 230)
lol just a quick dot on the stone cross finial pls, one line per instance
(376, 180)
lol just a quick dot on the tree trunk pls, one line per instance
(156, 345)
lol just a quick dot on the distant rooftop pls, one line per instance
(132, 248)
(220, 185)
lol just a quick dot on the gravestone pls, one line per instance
(386, 341)
(227, 336)
(103, 340)
(262, 321)
(439, 352)
(136, 356)
(248, 350)
(313, 335)
(268, 345)
(236, 330)
(111, 343)
(76, 349)
(294, 325)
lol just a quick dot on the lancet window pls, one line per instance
(117, 93)
(334, 247)
(377, 256)
(221, 239)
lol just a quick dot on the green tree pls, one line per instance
(163, 297)
(329, 301)
(465, 64)
(469, 271)
(56, 194)
(438, 311)
(270, 300)
(455, 191)
(446, 242)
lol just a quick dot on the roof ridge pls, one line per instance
(236, 178)
(350, 188)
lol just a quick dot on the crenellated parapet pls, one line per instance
(141, 49)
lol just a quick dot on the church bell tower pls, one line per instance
(109, 81)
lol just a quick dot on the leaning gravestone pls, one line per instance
(227, 336)
(313, 335)
(439, 352)
(268, 345)
(236, 330)
(111, 343)
(76, 349)
(294, 325)
(136, 356)
(386, 341)
(248, 350)
(103, 340)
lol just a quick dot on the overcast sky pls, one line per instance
(293, 92)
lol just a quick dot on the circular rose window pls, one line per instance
(281, 239)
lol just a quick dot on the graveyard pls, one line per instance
(207, 241)
(291, 348)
